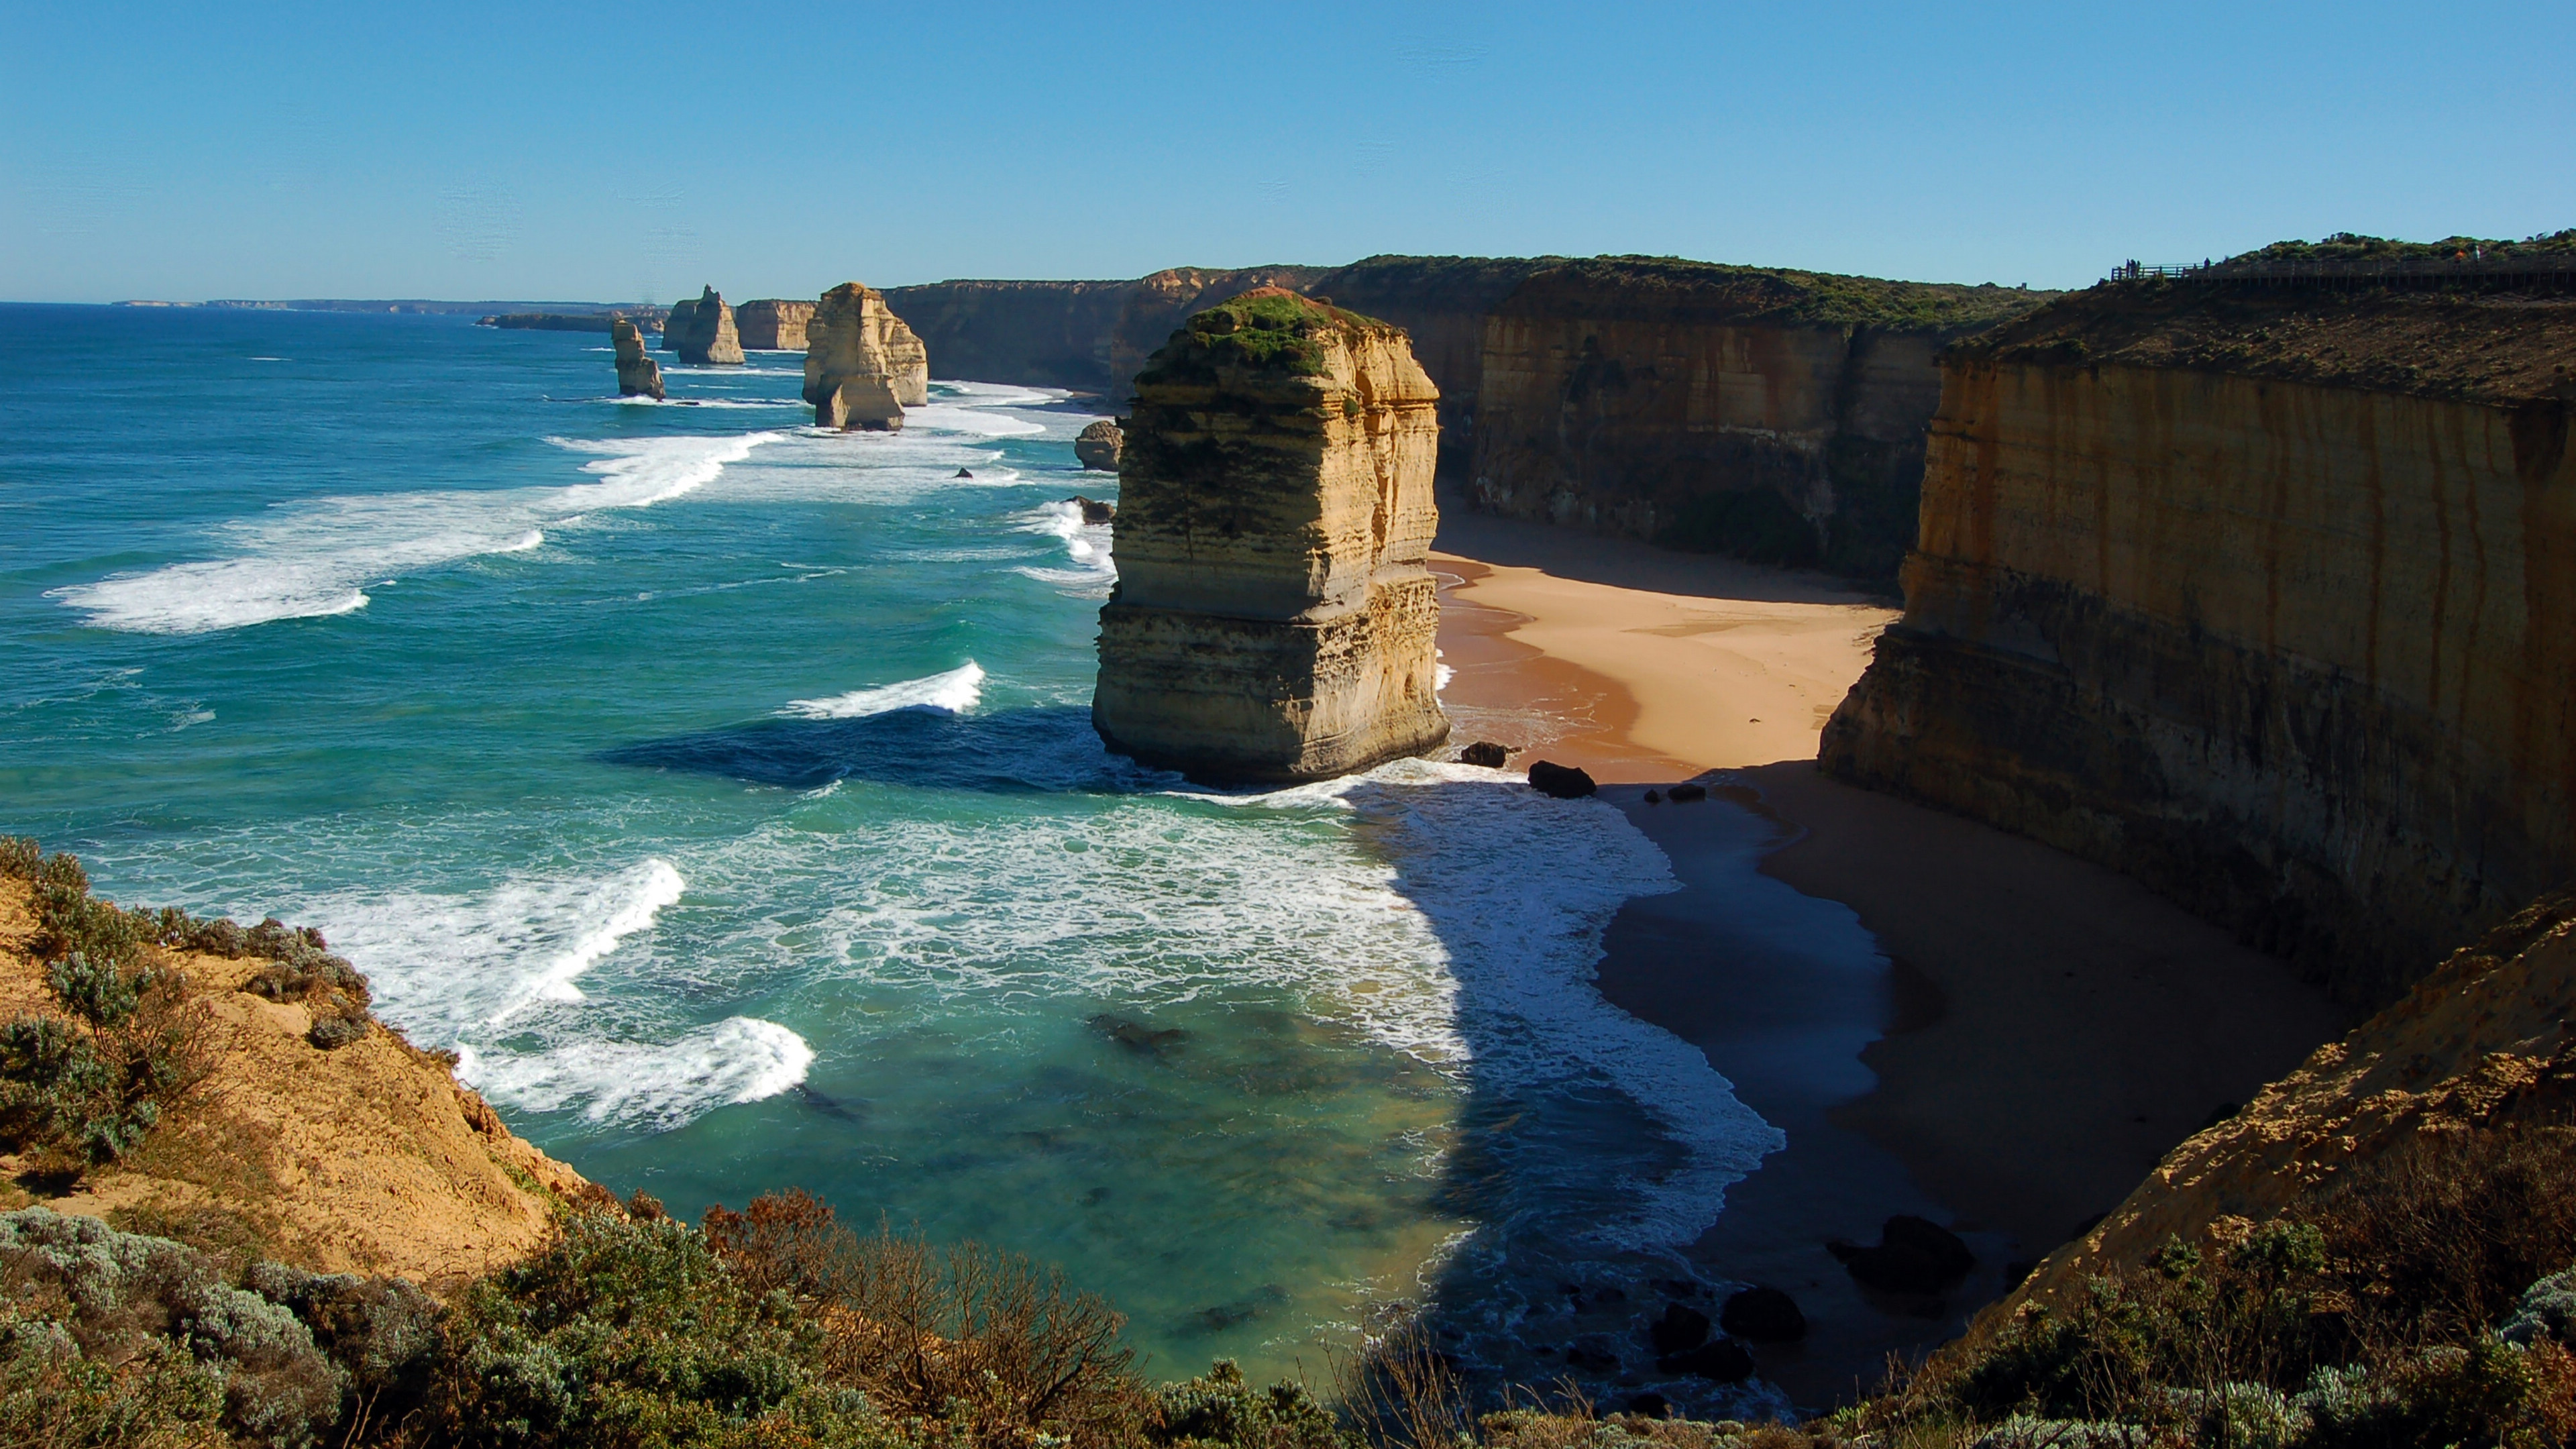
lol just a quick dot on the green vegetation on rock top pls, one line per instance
(2345, 246)
(1715, 290)
(1266, 329)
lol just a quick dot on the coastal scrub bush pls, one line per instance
(1222, 1407)
(302, 969)
(629, 1332)
(19, 857)
(988, 1346)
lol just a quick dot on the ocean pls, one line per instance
(724, 793)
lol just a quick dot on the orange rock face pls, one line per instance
(2301, 654)
(1274, 619)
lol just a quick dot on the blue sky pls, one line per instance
(611, 151)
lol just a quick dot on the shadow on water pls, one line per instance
(1050, 749)
(1586, 1148)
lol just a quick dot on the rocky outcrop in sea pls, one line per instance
(863, 367)
(709, 335)
(1096, 447)
(637, 374)
(675, 324)
(1274, 618)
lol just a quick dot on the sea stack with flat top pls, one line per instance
(710, 335)
(1273, 619)
(637, 374)
(863, 367)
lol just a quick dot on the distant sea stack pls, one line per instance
(675, 324)
(637, 374)
(1097, 446)
(772, 325)
(709, 336)
(2262, 593)
(1273, 619)
(863, 367)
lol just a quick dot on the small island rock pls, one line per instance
(1098, 446)
(1562, 782)
(863, 367)
(637, 374)
(710, 337)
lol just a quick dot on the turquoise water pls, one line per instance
(724, 793)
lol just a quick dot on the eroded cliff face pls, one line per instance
(773, 325)
(366, 1158)
(862, 365)
(2269, 604)
(675, 323)
(1778, 416)
(708, 335)
(1036, 334)
(1154, 306)
(637, 374)
(1442, 303)
(1273, 618)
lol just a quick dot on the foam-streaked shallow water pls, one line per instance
(724, 793)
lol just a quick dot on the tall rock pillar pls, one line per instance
(637, 374)
(710, 335)
(1274, 619)
(863, 367)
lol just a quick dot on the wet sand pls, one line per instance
(2013, 1045)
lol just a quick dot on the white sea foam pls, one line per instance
(448, 968)
(955, 691)
(315, 559)
(1462, 926)
(653, 1087)
(1086, 548)
(489, 972)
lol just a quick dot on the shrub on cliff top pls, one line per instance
(634, 1332)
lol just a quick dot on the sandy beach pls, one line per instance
(2014, 1043)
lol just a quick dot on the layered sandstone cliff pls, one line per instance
(709, 334)
(1036, 334)
(863, 366)
(1774, 415)
(2267, 597)
(1153, 306)
(1273, 618)
(1443, 304)
(2485, 1037)
(772, 325)
(637, 374)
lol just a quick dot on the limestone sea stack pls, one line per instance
(637, 374)
(710, 336)
(675, 325)
(1097, 446)
(863, 367)
(773, 325)
(1273, 619)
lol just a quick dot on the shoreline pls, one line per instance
(1991, 1034)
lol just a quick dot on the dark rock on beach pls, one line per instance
(1563, 782)
(1913, 1255)
(1486, 753)
(1680, 1330)
(1720, 1361)
(1682, 794)
(1763, 1315)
